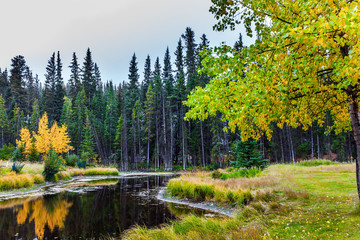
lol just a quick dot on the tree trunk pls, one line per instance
(312, 143)
(202, 143)
(354, 117)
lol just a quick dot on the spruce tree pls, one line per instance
(35, 117)
(74, 81)
(59, 90)
(149, 120)
(88, 78)
(87, 144)
(17, 83)
(147, 78)
(49, 90)
(239, 43)
(190, 58)
(4, 121)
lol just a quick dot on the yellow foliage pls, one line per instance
(42, 215)
(43, 136)
(25, 140)
(55, 136)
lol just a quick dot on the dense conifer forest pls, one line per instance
(140, 123)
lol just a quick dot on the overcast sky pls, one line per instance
(113, 29)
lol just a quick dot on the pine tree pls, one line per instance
(147, 78)
(97, 77)
(239, 44)
(59, 90)
(35, 117)
(190, 58)
(78, 119)
(180, 94)
(4, 122)
(66, 113)
(49, 90)
(88, 78)
(111, 115)
(17, 83)
(149, 120)
(168, 105)
(74, 81)
(87, 145)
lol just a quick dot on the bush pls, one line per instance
(216, 174)
(53, 164)
(6, 151)
(71, 160)
(17, 167)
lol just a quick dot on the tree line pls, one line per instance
(140, 123)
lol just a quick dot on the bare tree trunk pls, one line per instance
(282, 147)
(148, 152)
(312, 143)
(126, 157)
(171, 139)
(292, 153)
(183, 136)
(202, 143)
(134, 144)
(166, 157)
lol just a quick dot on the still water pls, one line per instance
(88, 210)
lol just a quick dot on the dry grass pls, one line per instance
(13, 181)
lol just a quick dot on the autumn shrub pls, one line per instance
(53, 164)
(71, 160)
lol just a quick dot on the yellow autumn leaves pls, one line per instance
(56, 136)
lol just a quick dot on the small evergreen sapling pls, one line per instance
(248, 156)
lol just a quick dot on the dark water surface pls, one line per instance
(90, 211)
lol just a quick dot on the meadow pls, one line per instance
(312, 200)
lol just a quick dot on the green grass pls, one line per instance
(316, 162)
(101, 171)
(316, 202)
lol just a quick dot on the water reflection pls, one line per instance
(99, 210)
(51, 213)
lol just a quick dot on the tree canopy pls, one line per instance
(304, 65)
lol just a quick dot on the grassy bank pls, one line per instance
(31, 174)
(316, 202)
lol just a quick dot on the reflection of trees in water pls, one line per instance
(51, 213)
